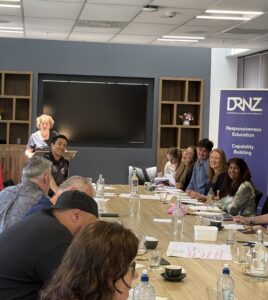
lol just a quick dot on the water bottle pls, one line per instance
(211, 195)
(134, 205)
(134, 182)
(259, 256)
(100, 186)
(144, 290)
(177, 218)
(225, 285)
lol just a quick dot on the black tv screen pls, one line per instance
(99, 111)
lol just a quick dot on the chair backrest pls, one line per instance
(258, 195)
(143, 174)
(265, 207)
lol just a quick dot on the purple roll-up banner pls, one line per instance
(243, 131)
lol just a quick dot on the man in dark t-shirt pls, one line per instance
(32, 249)
(60, 165)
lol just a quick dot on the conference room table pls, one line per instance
(201, 273)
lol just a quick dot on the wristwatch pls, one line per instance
(251, 220)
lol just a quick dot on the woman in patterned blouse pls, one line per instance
(238, 193)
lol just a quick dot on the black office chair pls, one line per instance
(265, 207)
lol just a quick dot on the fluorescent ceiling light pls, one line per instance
(11, 1)
(183, 37)
(212, 11)
(10, 5)
(223, 18)
(11, 31)
(176, 40)
(11, 28)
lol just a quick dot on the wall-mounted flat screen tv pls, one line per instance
(99, 111)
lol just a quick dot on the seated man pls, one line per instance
(73, 183)
(16, 200)
(199, 177)
(32, 249)
(60, 165)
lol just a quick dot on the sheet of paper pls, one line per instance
(199, 250)
(207, 213)
(233, 226)
(149, 197)
(171, 179)
(162, 220)
(109, 187)
(204, 208)
(106, 194)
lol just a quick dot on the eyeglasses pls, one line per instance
(132, 267)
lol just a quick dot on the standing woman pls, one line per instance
(98, 265)
(174, 156)
(185, 170)
(41, 138)
(237, 194)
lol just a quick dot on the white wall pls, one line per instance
(223, 76)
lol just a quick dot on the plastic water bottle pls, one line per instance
(177, 219)
(225, 285)
(134, 205)
(211, 195)
(134, 182)
(259, 256)
(144, 290)
(100, 186)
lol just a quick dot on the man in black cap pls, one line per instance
(32, 248)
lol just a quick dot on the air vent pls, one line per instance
(247, 31)
(100, 24)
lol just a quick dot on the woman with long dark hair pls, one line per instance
(238, 193)
(98, 265)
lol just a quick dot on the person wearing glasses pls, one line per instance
(99, 264)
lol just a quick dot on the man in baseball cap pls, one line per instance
(32, 248)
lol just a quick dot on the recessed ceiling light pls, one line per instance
(10, 5)
(183, 37)
(223, 18)
(212, 11)
(11, 31)
(150, 8)
(11, 28)
(176, 40)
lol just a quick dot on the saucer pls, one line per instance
(179, 278)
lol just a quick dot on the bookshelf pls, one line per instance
(178, 96)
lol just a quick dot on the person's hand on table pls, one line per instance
(242, 220)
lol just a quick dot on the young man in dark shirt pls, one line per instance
(60, 165)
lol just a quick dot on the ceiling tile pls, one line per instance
(51, 9)
(121, 2)
(10, 21)
(39, 34)
(96, 29)
(48, 24)
(6, 11)
(195, 4)
(90, 37)
(109, 12)
(253, 5)
(160, 17)
(148, 29)
(133, 39)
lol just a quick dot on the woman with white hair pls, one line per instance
(42, 137)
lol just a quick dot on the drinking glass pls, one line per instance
(155, 258)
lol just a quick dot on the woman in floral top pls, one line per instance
(238, 193)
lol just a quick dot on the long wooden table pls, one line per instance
(201, 273)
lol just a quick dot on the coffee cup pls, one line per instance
(150, 242)
(173, 271)
(216, 223)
